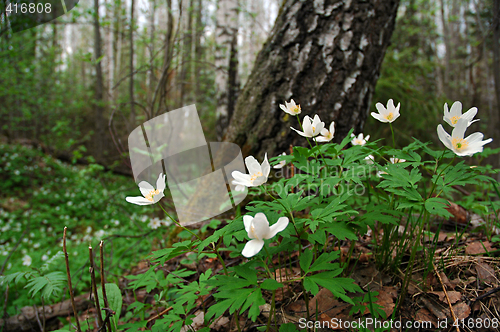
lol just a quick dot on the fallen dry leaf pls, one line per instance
(460, 215)
(385, 298)
(478, 248)
(461, 310)
(485, 273)
(423, 315)
(453, 296)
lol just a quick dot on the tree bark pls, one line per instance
(327, 57)
(226, 61)
(99, 86)
(131, 65)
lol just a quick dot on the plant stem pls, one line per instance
(103, 284)
(393, 140)
(94, 288)
(178, 223)
(71, 295)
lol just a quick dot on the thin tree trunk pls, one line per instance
(198, 51)
(326, 57)
(99, 86)
(226, 61)
(187, 42)
(131, 65)
(496, 71)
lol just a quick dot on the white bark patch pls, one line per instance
(303, 56)
(295, 8)
(381, 39)
(291, 33)
(337, 106)
(350, 81)
(313, 25)
(328, 40)
(346, 25)
(346, 40)
(331, 8)
(319, 6)
(347, 4)
(347, 55)
(364, 42)
(371, 13)
(360, 59)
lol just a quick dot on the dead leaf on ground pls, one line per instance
(460, 215)
(478, 247)
(423, 315)
(385, 298)
(325, 303)
(461, 310)
(485, 273)
(452, 295)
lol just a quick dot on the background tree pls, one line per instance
(326, 57)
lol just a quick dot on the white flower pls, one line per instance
(311, 127)
(370, 159)
(359, 140)
(258, 174)
(396, 160)
(451, 117)
(291, 108)
(151, 195)
(45, 257)
(326, 135)
(154, 223)
(258, 230)
(282, 163)
(26, 260)
(388, 114)
(460, 145)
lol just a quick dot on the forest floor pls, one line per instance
(461, 284)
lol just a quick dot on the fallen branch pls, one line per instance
(27, 319)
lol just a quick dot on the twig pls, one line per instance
(78, 328)
(109, 313)
(38, 318)
(160, 314)
(491, 292)
(103, 285)
(94, 288)
(446, 294)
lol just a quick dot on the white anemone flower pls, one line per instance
(291, 108)
(282, 163)
(460, 145)
(258, 174)
(388, 114)
(451, 117)
(396, 160)
(151, 195)
(359, 140)
(258, 230)
(26, 260)
(311, 127)
(326, 135)
(370, 159)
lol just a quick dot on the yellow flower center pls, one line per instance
(314, 129)
(389, 116)
(454, 119)
(296, 109)
(255, 176)
(459, 143)
(252, 232)
(151, 194)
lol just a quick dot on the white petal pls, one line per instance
(379, 117)
(444, 136)
(456, 109)
(474, 138)
(265, 166)
(156, 198)
(397, 109)
(460, 127)
(300, 132)
(240, 177)
(446, 112)
(367, 137)
(145, 188)
(396, 115)
(332, 128)
(447, 119)
(239, 187)
(252, 165)
(381, 109)
(139, 200)
(280, 225)
(247, 220)
(470, 114)
(390, 106)
(252, 248)
(160, 183)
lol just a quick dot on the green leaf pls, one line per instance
(437, 205)
(288, 327)
(50, 284)
(306, 260)
(271, 284)
(115, 301)
(337, 286)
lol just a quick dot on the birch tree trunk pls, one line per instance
(99, 86)
(324, 55)
(226, 40)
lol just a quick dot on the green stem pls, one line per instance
(392, 131)
(178, 223)
(300, 124)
